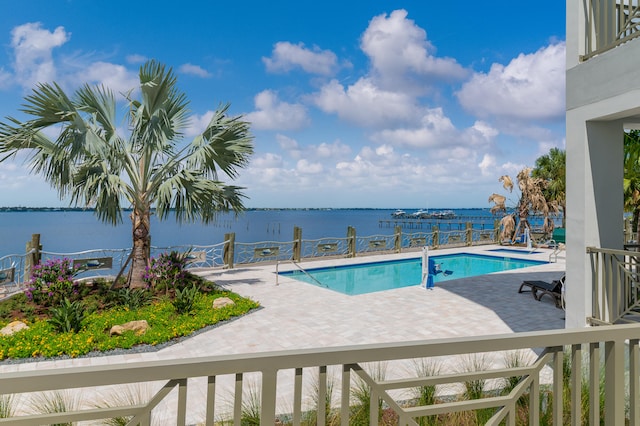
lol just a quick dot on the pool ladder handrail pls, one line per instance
(301, 269)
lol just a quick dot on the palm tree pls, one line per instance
(93, 165)
(631, 180)
(532, 200)
(552, 168)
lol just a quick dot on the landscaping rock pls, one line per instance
(139, 327)
(13, 327)
(221, 302)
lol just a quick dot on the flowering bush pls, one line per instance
(166, 271)
(52, 281)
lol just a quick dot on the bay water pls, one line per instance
(68, 231)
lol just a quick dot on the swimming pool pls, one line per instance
(379, 276)
(516, 251)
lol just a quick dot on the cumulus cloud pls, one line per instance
(116, 77)
(435, 130)
(33, 46)
(287, 56)
(267, 161)
(366, 104)
(196, 70)
(488, 165)
(530, 87)
(308, 168)
(401, 56)
(274, 114)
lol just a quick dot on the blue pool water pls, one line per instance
(387, 275)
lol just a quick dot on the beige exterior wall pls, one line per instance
(603, 98)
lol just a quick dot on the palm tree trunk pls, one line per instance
(141, 247)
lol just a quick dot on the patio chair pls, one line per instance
(540, 288)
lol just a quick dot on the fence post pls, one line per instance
(297, 243)
(397, 240)
(351, 241)
(228, 250)
(34, 258)
(436, 237)
(496, 231)
(469, 234)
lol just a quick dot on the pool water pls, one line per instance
(387, 275)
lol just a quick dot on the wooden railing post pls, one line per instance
(436, 237)
(297, 243)
(228, 250)
(34, 258)
(469, 234)
(397, 239)
(351, 241)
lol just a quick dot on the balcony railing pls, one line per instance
(616, 286)
(552, 389)
(610, 24)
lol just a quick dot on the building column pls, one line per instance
(595, 196)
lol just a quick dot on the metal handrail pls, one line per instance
(301, 269)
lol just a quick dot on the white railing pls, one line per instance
(616, 286)
(550, 390)
(610, 24)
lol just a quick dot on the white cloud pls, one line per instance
(488, 165)
(136, 58)
(365, 104)
(530, 87)
(401, 56)
(115, 77)
(197, 123)
(33, 48)
(5, 79)
(267, 161)
(286, 143)
(274, 114)
(435, 130)
(308, 168)
(287, 56)
(196, 70)
(330, 150)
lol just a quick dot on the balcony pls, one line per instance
(567, 370)
(609, 24)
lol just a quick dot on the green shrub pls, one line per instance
(167, 271)
(51, 282)
(41, 340)
(68, 317)
(129, 298)
(185, 299)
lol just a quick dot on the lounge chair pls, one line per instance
(540, 288)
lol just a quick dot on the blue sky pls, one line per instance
(396, 104)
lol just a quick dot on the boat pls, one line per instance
(444, 214)
(399, 214)
(420, 214)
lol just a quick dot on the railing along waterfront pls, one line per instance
(572, 368)
(609, 24)
(13, 272)
(616, 286)
(109, 262)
